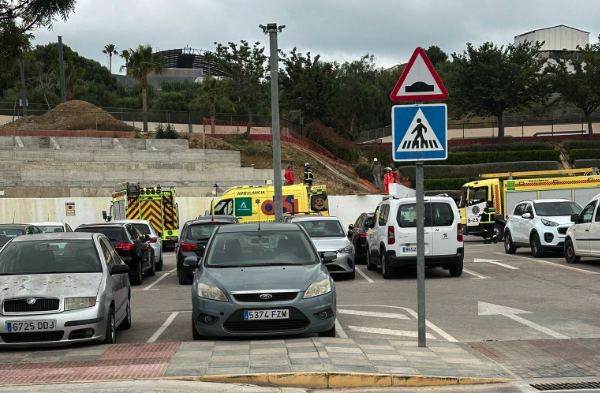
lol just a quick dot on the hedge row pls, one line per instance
(587, 163)
(518, 146)
(340, 147)
(584, 154)
(364, 171)
(498, 156)
(571, 145)
(467, 171)
(445, 184)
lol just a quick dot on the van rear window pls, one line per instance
(437, 214)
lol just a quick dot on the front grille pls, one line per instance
(562, 231)
(567, 385)
(255, 297)
(20, 305)
(236, 323)
(31, 337)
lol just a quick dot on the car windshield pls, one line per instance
(143, 228)
(566, 208)
(7, 235)
(115, 235)
(50, 228)
(260, 248)
(322, 228)
(49, 257)
(202, 231)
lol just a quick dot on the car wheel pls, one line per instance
(195, 335)
(386, 270)
(352, 274)
(456, 270)
(499, 231)
(137, 277)
(126, 324)
(152, 271)
(328, 333)
(570, 255)
(509, 247)
(536, 246)
(111, 330)
(370, 266)
(159, 265)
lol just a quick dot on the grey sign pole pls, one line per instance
(61, 67)
(273, 30)
(421, 252)
(23, 89)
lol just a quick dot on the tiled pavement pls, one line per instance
(198, 358)
(546, 358)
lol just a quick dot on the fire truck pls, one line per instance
(506, 190)
(130, 201)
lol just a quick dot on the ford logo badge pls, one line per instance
(31, 301)
(266, 296)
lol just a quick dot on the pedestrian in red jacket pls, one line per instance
(289, 176)
(388, 178)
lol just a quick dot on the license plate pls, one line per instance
(32, 326)
(266, 314)
(410, 249)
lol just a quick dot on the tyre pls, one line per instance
(183, 279)
(152, 271)
(536, 246)
(159, 265)
(370, 266)
(570, 255)
(111, 329)
(352, 274)
(456, 270)
(328, 333)
(126, 323)
(499, 231)
(195, 335)
(386, 269)
(509, 246)
(137, 277)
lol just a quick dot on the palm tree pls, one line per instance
(141, 63)
(73, 78)
(110, 50)
(126, 54)
(213, 91)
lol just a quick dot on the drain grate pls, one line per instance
(566, 385)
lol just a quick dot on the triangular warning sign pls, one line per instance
(419, 136)
(419, 81)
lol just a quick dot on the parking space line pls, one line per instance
(550, 263)
(160, 278)
(477, 275)
(340, 330)
(373, 314)
(363, 274)
(164, 327)
(389, 332)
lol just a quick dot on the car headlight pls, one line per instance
(346, 250)
(318, 288)
(549, 223)
(77, 303)
(211, 292)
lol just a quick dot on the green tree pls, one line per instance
(73, 78)
(436, 55)
(213, 92)
(110, 50)
(489, 80)
(125, 55)
(576, 77)
(141, 63)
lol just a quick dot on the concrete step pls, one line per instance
(79, 144)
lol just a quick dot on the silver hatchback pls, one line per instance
(62, 288)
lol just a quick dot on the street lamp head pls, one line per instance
(280, 28)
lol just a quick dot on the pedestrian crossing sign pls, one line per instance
(420, 132)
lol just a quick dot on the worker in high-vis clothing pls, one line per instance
(388, 179)
(308, 175)
(488, 217)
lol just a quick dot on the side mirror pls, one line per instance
(191, 262)
(105, 216)
(147, 238)
(526, 215)
(329, 257)
(159, 234)
(351, 227)
(119, 269)
(175, 239)
(575, 218)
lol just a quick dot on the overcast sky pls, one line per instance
(339, 30)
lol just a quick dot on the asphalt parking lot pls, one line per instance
(499, 297)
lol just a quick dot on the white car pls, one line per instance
(52, 227)
(392, 238)
(146, 228)
(583, 237)
(541, 224)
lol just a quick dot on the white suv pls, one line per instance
(540, 224)
(392, 239)
(583, 237)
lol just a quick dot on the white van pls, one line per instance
(583, 237)
(392, 238)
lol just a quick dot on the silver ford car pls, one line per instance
(62, 288)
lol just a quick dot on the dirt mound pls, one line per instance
(72, 115)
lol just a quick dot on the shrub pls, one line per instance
(383, 155)
(517, 146)
(364, 171)
(498, 156)
(571, 145)
(167, 132)
(338, 146)
(444, 184)
(587, 163)
(467, 171)
(584, 154)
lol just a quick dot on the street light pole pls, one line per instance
(272, 30)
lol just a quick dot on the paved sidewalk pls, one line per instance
(199, 358)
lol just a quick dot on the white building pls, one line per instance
(557, 40)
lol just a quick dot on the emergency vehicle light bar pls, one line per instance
(510, 175)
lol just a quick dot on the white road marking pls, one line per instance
(157, 281)
(477, 275)
(363, 274)
(164, 327)
(495, 263)
(414, 315)
(388, 332)
(551, 263)
(373, 314)
(340, 330)
(535, 326)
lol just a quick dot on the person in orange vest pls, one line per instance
(289, 176)
(388, 178)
